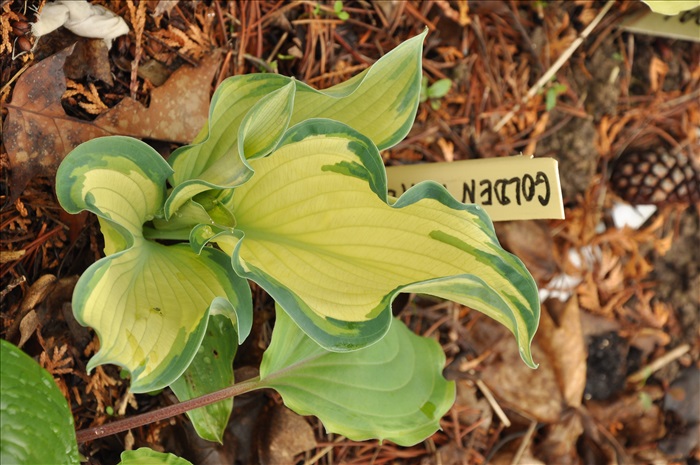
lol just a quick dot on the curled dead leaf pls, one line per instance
(286, 435)
(534, 393)
(27, 327)
(561, 337)
(37, 292)
(11, 256)
(38, 134)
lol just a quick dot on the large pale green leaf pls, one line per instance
(121, 180)
(392, 390)
(316, 229)
(210, 370)
(149, 303)
(248, 116)
(150, 306)
(381, 102)
(36, 425)
(249, 113)
(147, 456)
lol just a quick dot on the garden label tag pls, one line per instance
(684, 26)
(508, 188)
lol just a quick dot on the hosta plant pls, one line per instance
(285, 187)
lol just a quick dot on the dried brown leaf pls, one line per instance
(636, 416)
(38, 133)
(531, 241)
(89, 58)
(561, 337)
(27, 327)
(287, 435)
(37, 292)
(179, 108)
(559, 444)
(164, 7)
(535, 393)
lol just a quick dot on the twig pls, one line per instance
(13, 284)
(524, 443)
(492, 401)
(319, 455)
(642, 374)
(555, 67)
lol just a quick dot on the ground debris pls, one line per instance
(619, 93)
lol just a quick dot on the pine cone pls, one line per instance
(657, 176)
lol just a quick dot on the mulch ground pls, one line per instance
(618, 351)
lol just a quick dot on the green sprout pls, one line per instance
(435, 91)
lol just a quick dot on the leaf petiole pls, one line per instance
(90, 434)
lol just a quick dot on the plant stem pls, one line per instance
(89, 434)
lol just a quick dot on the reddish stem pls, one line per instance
(90, 434)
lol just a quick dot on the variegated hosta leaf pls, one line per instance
(318, 233)
(245, 122)
(247, 117)
(149, 303)
(210, 370)
(150, 306)
(121, 180)
(381, 102)
(392, 390)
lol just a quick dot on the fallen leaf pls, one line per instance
(164, 7)
(451, 454)
(27, 327)
(559, 443)
(472, 410)
(38, 134)
(561, 337)
(154, 71)
(532, 242)
(287, 435)
(507, 457)
(535, 393)
(90, 58)
(178, 110)
(636, 417)
(37, 292)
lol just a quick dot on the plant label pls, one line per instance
(683, 26)
(508, 188)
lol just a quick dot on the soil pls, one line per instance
(637, 298)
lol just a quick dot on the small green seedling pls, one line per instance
(435, 91)
(339, 11)
(552, 93)
(285, 187)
